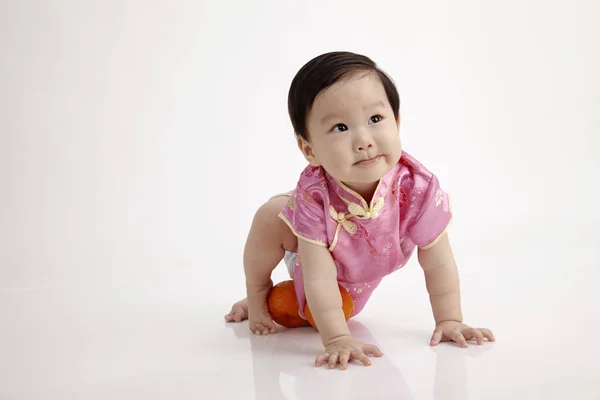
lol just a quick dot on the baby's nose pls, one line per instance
(363, 145)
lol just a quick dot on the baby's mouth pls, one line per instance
(367, 161)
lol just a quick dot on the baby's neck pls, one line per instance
(365, 190)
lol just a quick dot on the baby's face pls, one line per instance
(353, 132)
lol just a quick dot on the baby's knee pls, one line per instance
(267, 217)
(270, 210)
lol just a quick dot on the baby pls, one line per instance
(358, 212)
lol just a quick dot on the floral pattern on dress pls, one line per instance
(402, 195)
(364, 233)
(412, 213)
(313, 172)
(291, 203)
(386, 250)
(305, 196)
(439, 197)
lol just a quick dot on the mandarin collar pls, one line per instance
(350, 196)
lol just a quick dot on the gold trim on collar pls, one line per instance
(355, 194)
(363, 202)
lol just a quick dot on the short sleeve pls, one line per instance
(304, 213)
(433, 218)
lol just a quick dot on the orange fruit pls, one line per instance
(283, 305)
(347, 306)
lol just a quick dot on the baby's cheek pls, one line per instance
(395, 147)
(334, 159)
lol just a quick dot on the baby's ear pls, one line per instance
(306, 149)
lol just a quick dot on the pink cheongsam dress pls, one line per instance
(367, 241)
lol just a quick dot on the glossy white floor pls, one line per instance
(138, 138)
(162, 336)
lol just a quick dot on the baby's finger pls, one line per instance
(467, 332)
(362, 357)
(472, 333)
(436, 338)
(458, 338)
(478, 336)
(321, 359)
(488, 334)
(372, 349)
(333, 360)
(344, 357)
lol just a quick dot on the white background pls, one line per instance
(138, 138)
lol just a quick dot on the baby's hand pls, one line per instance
(460, 333)
(345, 349)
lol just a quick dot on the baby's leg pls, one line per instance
(267, 242)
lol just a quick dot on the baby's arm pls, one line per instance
(322, 292)
(441, 277)
(325, 303)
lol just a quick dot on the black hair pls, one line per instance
(324, 71)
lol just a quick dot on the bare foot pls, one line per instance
(260, 322)
(239, 312)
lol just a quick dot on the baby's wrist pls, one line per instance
(336, 339)
(443, 321)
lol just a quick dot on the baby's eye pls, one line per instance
(375, 119)
(340, 128)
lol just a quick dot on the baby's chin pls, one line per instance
(373, 174)
(363, 175)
